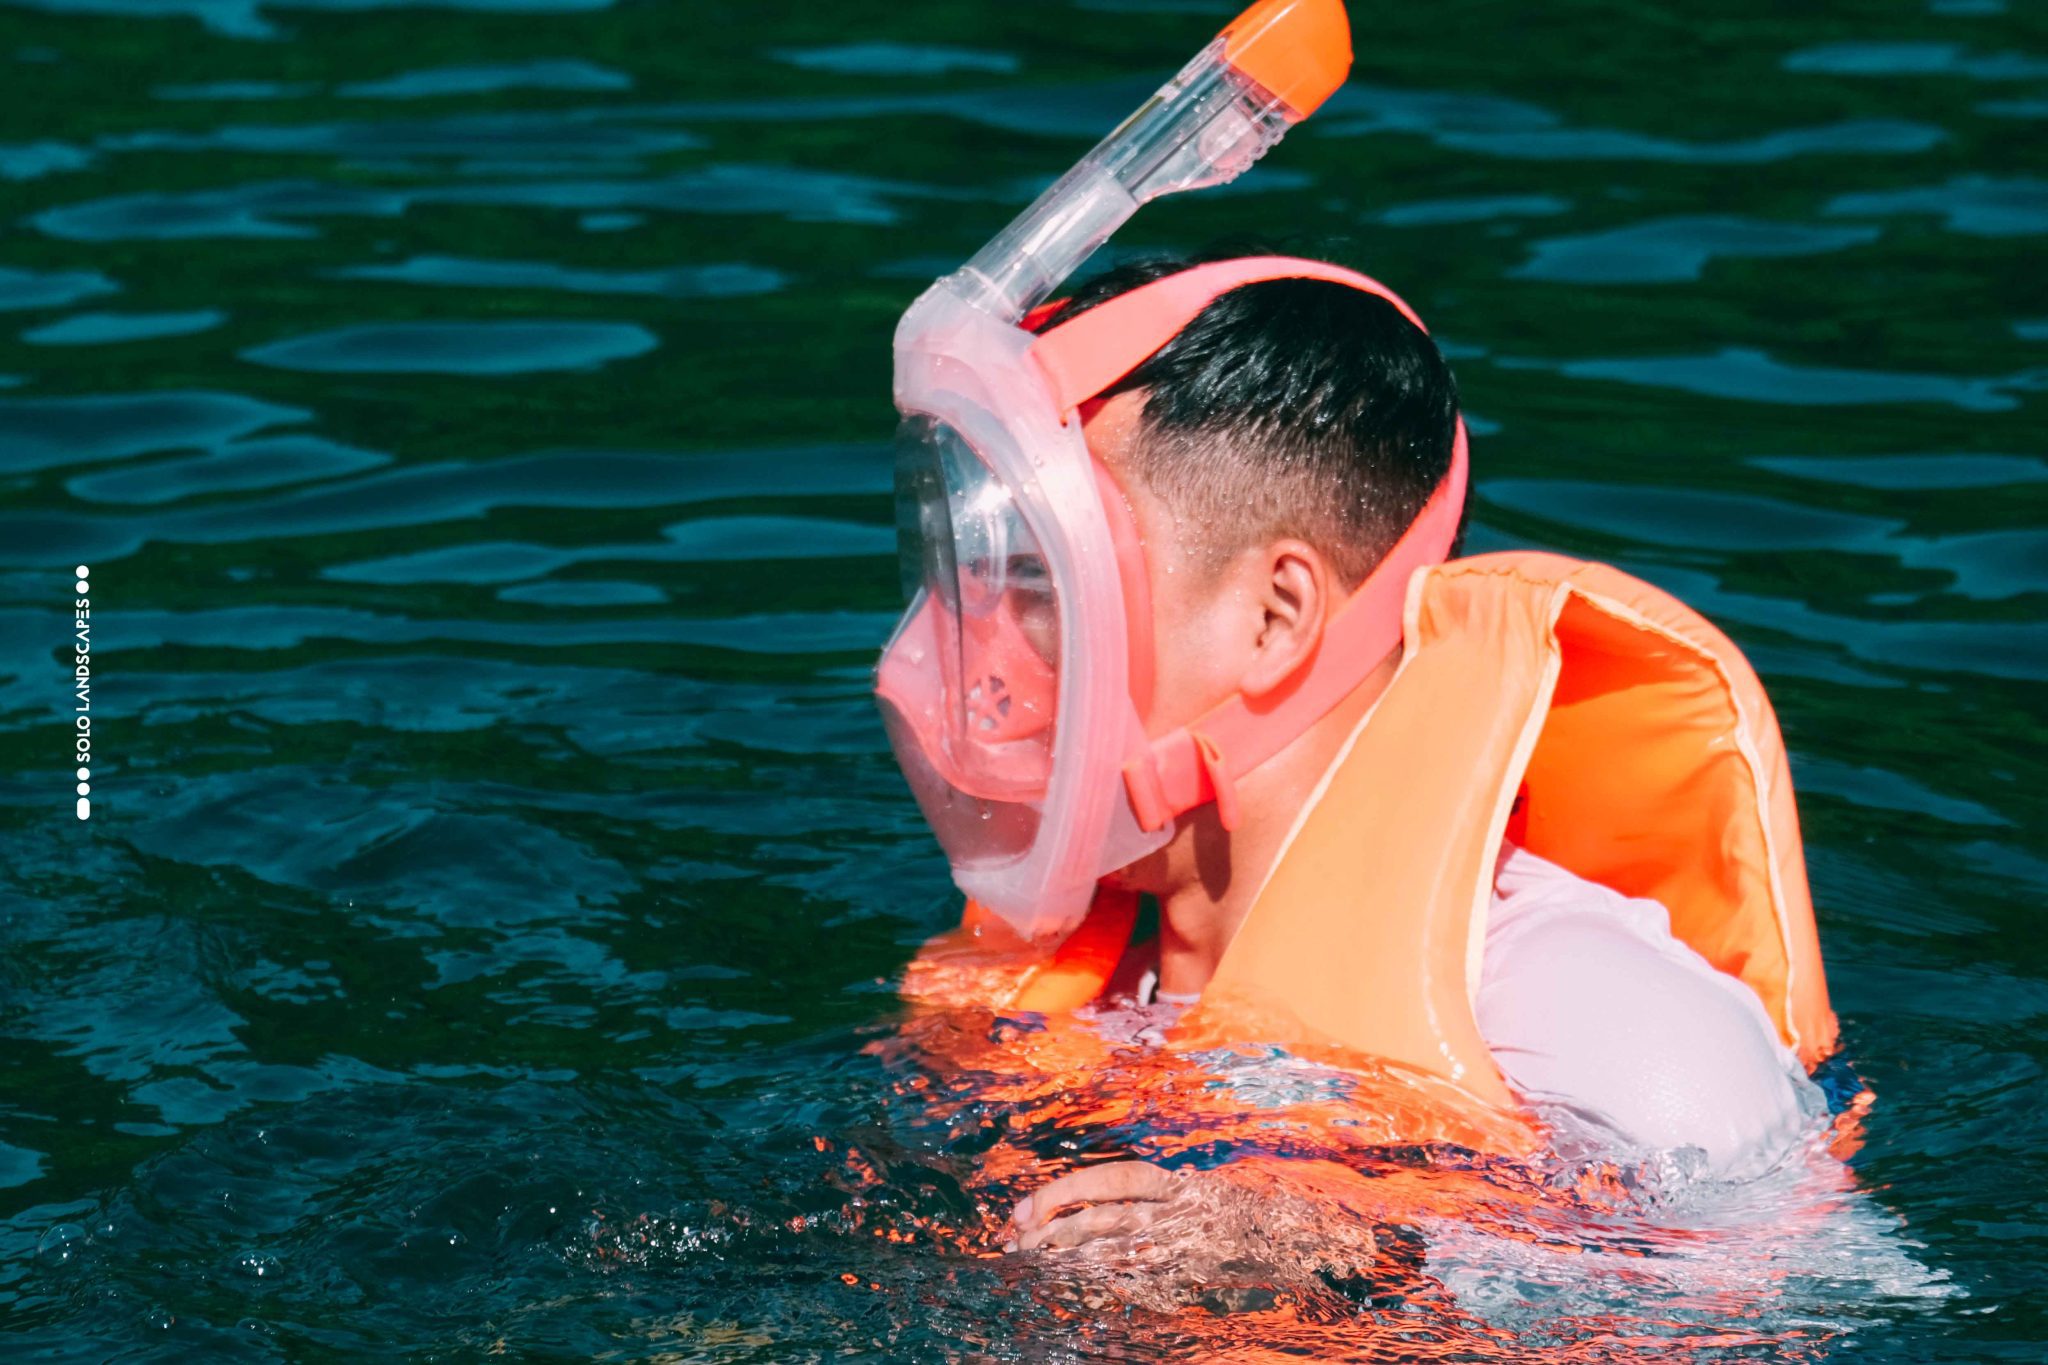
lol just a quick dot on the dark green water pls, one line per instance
(474, 418)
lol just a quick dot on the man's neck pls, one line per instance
(1207, 878)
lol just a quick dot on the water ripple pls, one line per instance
(413, 495)
(19, 1165)
(277, 628)
(1975, 205)
(705, 540)
(44, 433)
(1674, 250)
(525, 137)
(1916, 59)
(392, 847)
(1910, 471)
(1931, 647)
(1853, 137)
(895, 59)
(235, 90)
(1690, 517)
(1754, 376)
(682, 281)
(268, 208)
(1985, 565)
(247, 19)
(23, 289)
(440, 81)
(457, 347)
(585, 592)
(1359, 108)
(801, 196)
(33, 160)
(1474, 209)
(102, 329)
(2027, 109)
(233, 468)
(262, 209)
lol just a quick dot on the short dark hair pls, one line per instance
(1289, 407)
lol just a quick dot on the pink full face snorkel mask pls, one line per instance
(1012, 687)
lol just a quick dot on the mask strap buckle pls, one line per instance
(1214, 766)
(1147, 791)
(1146, 785)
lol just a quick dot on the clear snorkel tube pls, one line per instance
(1266, 72)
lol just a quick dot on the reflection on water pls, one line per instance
(1676, 250)
(99, 329)
(473, 415)
(1758, 377)
(1980, 205)
(718, 281)
(457, 347)
(1916, 59)
(50, 288)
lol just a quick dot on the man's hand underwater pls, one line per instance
(1111, 1201)
(1225, 1239)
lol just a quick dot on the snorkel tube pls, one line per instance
(1269, 69)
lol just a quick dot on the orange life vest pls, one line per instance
(1594, 719)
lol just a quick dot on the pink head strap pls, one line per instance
(1202, 761)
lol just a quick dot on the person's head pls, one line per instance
(1272, 452)
(1265, 434)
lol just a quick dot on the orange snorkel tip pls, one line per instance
(1299, 50)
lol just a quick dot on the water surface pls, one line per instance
(473, 416)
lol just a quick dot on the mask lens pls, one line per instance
(994, 628)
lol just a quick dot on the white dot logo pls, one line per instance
(83, 586)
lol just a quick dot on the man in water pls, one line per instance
(1186, 624)
(1272, 453)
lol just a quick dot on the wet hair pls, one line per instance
(1288, 407)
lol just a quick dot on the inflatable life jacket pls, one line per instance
(1594, 719)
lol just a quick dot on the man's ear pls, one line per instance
(1295, 594)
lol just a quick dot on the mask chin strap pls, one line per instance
(1202, 762)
